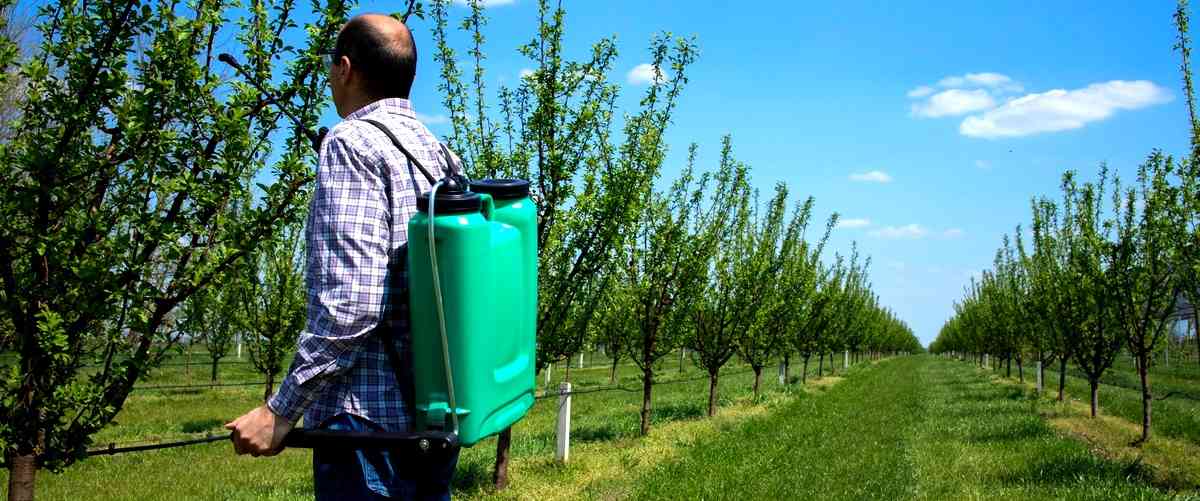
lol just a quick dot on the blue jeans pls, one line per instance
(377, 474)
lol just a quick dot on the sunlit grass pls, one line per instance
(911, 428)
(605, 432)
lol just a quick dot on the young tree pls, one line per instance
(554, 130)
(135, 135)
(803, 277)
(849, 298)
(814, 335)
(1100, 337)
(1141, 261)
(274, 302)
(666, 269)
(762, 336)
(1187, 257)
(1040, 334)
(613, 328)
(721, 311)
(1055, 283)
(212, 316)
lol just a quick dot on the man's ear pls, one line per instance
(342, 70)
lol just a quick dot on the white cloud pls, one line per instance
(983, 164)
(486, 3)
(853, 223)
(920, 92)
(875, 176)
(909, 231)
(526, 72)
(432, 119)
(953, 102)
(989, 80)
(645, 74)
(952, 233)
(1059, 109)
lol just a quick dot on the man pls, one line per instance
(341, 377)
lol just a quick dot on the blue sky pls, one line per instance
(930, 124)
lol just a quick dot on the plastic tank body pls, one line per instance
(485, 275)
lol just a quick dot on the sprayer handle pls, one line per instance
(426, 443)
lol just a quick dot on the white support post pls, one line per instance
(985, 361)
(581, 360)
(846, 359)
(549, 369)
(781, 380)
(239, 343)
(564, 423)
(1039, 377)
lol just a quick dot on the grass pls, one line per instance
(605, 429)
(1173, 463)
(1121, 395)
(912, 428)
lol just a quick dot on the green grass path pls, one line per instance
(912, 428)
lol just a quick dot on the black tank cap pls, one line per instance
(452, 198)
(502, 189)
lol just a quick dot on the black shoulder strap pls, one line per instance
(396, 143)
(450, 164)
(389, 339)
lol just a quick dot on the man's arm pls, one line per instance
(348, 245)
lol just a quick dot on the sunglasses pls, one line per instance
(328, 57)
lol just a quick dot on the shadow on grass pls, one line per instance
(200, 425)
(602, 433)
(1025, 429)
(1076, 469)
(675, 412)
(471, 477)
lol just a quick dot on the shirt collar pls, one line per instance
(394, 105)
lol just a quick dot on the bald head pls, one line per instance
(382, 53)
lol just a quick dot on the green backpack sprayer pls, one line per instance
(472, 280)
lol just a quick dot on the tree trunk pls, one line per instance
(1041, 376)
(1143, 374)
(712, 393)
(757, 379)
(22, 470)
(270, 386)
(214, 369)
(820, 365)
(612, 378)
(1196, 330)
(500, 469)
(1062, 377)
(787, 368)
(567, 370)
(1020, 369)
(1008, 366)
(682, 354)
(804, 373)
(1095, 384)
(647, 385)
(832, 366)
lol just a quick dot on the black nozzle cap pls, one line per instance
(453, 197)
(502, 189)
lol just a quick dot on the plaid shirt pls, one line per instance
(356, 271)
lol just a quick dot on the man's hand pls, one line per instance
(259, 432)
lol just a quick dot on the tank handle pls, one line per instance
(488, 204)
